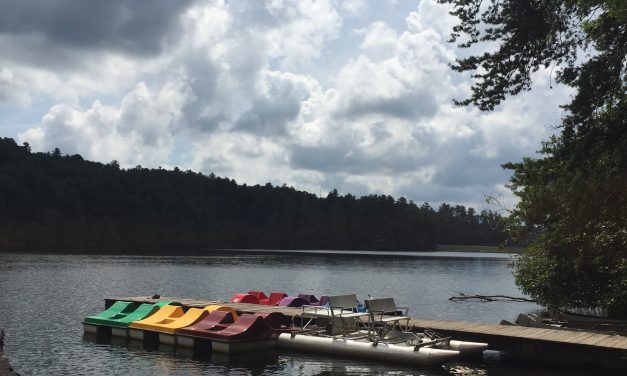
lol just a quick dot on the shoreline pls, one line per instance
(478, 248)
(442, 254)
(443, 249)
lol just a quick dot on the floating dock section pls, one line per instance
(573, 348)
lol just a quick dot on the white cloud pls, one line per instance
(13, 89)
(306, 26)
(243, 89)
(380, 39)
(354, 8)
(431, 16)
(138, 131)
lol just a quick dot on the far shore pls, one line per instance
(478, 248)
(191, 251)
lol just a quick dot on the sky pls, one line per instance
(354, 95)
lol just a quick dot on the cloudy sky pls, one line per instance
(354, 95)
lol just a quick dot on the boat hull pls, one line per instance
(466, 347)
(136, 334)
(239, 347)
(167, 339)
(102, 331)
(186, 341)
(383, 352)
(119, 332)
(225, 347)
(90, 328)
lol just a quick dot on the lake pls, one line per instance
(45, 297)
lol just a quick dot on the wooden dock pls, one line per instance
(574, 348)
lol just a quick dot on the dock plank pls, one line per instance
(565, 337)
(593, 340)
(616, 342)
(605, 342)
(569, 336)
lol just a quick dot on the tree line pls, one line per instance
(55, 202)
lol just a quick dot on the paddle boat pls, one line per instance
(391, 323)
(431, 339)
(118, 323)
(167, 327)
(141, 330)
(292, 301)
(258, 297)
(251, 332)
(278, 299)
(363, 348)
(334, 325)
(310, 299)
(274, 298)
(93, 324)
(244, 298)
(383, 333)
(222, 332)
(195, 336)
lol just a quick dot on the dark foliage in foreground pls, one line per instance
(50, 201)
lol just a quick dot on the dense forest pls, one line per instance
(56, 202)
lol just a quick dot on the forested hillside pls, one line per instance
(55, 202)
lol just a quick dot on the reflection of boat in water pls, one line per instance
(115, 319)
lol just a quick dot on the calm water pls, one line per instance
(43, 299)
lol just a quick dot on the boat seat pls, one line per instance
(384, 317)
(343, 311)
(311, 299)
(143, 311)
(172, 323)
(274, 298)
(164, 314)
(244, 298)
(118, 310)
(248, 327)
(292, 301)
(310, 315)
(192, 316)
(259, 294)
(217, 307)
(276, 320)
(215, 320)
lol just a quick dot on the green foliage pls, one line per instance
(49, 201)
(535, 34)
(577, 196)
(573, 200)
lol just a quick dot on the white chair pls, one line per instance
(385, 317)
